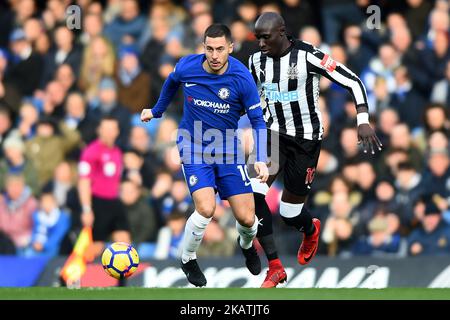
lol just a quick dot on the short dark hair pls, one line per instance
(109, 118)
(217, 30)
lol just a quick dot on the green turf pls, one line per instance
(131, 293)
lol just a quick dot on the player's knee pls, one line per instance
(247, 221)
(206, 210)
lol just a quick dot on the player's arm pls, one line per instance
(252, 104)
(168, 91)
(84, 187)
(321, 63)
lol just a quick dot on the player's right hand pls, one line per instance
(262, 171)
(146, 115)
(87, 218)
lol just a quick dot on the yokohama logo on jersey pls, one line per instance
(328, 63)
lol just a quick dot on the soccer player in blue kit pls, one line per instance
(217, 90)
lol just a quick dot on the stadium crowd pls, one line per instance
(56, 84)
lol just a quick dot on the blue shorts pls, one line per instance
(227, 179)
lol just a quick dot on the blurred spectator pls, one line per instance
(336, 95)
(98, 61)
(242, 46)
(5, 127)
(434, 59)
(438, 22)
(437, 173)
(15, 16)
(168, 244)
(385, 194)
(338, 234)
(312, 35)
(133, 83)
(50, 225)
(433, 237)
(52, 101)
(382, 65)
(65, 51)
(387, 166)
(9, 95)
(198, 25)
(17, 205)
(77, 117)
(55, 14)
(100, 169)
(441, 89)
(140, 141)
(165, 135)
(408, 102)
(141, 216)
(417, 16)
(387, 120)
(365, 184)
(349, 147)
(43, 43)
(128, 26)
(63, 188)
(380, 98)
(336, 14)
(380, 242)
(359, 54)
(50, 146)
(161, 187)
(177, 198)
(408, 192)
(401, 139)
(92, 28)
(154, 48)
(137, 170)
(297, 14)
(16, 163)
(65, 76)
(247, 10)
(25, 71)
(438, 140)
(435, 119)
(109, 106)
(27, 121)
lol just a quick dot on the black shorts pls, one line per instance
(296, 158)
(109, 216)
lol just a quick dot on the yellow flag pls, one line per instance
(75, 266)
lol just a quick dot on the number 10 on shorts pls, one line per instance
(244, 173)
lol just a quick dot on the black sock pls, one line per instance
(265, 229)
(302, 222)
(268, 244)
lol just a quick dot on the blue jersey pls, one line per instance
(213, 105)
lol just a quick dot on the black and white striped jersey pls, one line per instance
(290, 87)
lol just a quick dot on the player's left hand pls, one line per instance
(262, 171)
(368, 138)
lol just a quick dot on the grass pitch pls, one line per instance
(132, 293)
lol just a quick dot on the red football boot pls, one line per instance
(275, 275)
(309, 245)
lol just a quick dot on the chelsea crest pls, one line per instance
(224, 93)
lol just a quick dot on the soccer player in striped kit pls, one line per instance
(287, 73)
